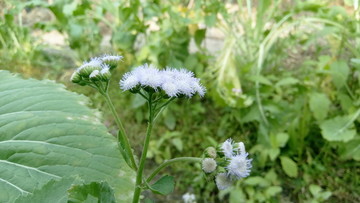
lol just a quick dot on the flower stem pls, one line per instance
(169, 162)
(122, 138)
(143, 154)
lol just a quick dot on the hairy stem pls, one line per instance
(140, 170)
(122, 138)
(171, 161)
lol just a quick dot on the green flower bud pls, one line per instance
(210, 152)
(111, 60)
(87, 68)
(75, 77)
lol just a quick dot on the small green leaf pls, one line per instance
(170, 120)
(272, 191)
(257, 180)
(199, 36)
(289, 166)
(314, 189)
(273, 153)
(282, 139)
(137, 101)
(319, 105)
(102, 192)
(210, 20)
(177, 143)
(340, 72)
(287, 81)
(340, 128)
(164, 186)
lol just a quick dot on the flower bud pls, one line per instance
(210, 152)
(105, 73)
(95, 75)
(222, 181)
(75, 77)
(208, 165)
(87, 68)
(111, 60)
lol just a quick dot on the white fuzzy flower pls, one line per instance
(222, 181)
(107, 57)
(189, 198)
(241, 148)
(149, 76)
(93, 63)
(208, 165)
(129, 81)
(227, 148)
(94, 73)
(239, 166)
(104, 69)
(173, 82)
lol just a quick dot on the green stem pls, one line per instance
(171, 161)
(143, 154)
(122, 138)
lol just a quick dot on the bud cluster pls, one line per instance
(229, 163)
(95, 70)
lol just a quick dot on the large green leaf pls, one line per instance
(48, 133)
(340, 128)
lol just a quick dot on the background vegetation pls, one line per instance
(282, 76)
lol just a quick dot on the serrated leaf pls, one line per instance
(101, 192)
(340, 128)
(319, 105)
(289, 166)
(164, 186)
(48, 133)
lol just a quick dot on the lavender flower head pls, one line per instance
(174, 82)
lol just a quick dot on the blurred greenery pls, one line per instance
(283, 76)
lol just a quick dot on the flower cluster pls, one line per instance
(174, 82)
(97, 69)
(233, 163)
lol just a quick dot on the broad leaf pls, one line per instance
(53, 191)
(101, 192)
(352, 149)
(165, 185)
(340, 128)
(47, 133)
(289, 166)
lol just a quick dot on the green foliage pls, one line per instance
(165, 185)
(289, 166)
(48, 133)
(53, 191)
(286, 82)
(93, 192)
